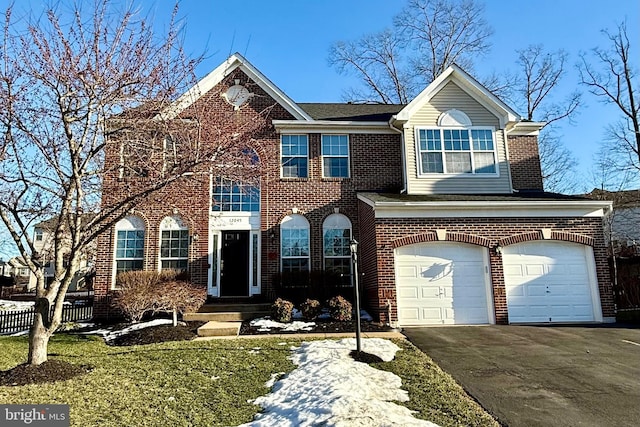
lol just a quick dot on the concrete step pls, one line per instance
(228, 316)
(219, 329)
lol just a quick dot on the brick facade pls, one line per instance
(378, 250)
(524, 159)
(375, 166)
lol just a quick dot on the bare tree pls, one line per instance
(535, 85)
(609, 74)
(427, 37)
(444, 32)
(85, 96)
(378, 61)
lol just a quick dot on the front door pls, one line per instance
(234, 264)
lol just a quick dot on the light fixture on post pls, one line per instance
(353, 245)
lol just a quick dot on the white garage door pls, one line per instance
(550, 281)
(442, 283)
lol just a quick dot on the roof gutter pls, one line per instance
(330, 126)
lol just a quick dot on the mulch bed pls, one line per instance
(322, 326)
(157, 334)
(49, 371)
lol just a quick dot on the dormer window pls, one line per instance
(456, 147)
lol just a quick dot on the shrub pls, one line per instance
(143, 292)
(282, 310)
(340, 309)
(310, 309)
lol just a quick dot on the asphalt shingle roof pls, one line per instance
(351, 112)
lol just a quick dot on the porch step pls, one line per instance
(225, 316)
(229, 312)
(219, 329)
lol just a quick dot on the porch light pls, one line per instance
(353, 245)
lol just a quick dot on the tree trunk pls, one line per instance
(39, 334)
(175, 318)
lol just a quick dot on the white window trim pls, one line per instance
(348, 156)
(473, 174)
(301, 156)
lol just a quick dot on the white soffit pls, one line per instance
(487, 209)
(223, 70)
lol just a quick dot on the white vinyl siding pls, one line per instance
(451, 96)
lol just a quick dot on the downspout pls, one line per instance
(402, 154)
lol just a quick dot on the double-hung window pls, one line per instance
(456, 151)
(294, 155)
(335, 156)
(174, 244)
(130, 234)
(294, 237)
(336, 232)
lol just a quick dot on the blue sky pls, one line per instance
(288, 40)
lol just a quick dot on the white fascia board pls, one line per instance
(526, 128)
(217, 75)
(488, 209)
(331, 126)
(471, 86)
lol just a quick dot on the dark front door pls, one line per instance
(234, 265)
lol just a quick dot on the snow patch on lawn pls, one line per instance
(329, 388)
(264, 325)
(109, 335)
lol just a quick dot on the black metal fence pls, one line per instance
(15, 321)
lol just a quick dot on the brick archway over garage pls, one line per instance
(555, 235)
(449, 237)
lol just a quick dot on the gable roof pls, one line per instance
(232, 63)
(468, 84)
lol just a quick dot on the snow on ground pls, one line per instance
(329, 388)
(263, 324)
(110, 335)
(8, 305)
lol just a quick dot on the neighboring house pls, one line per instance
(20, 271)
(622, 235)
(444, 195)
(43, 235)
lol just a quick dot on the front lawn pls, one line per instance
(204, 383)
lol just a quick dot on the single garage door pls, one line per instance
(442, 283)
(550, 281)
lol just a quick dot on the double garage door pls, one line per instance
(449, 283)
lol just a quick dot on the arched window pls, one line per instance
(174, 244)
(130, 244)
(294, 240)
(336, 237)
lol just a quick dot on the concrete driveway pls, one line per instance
(543, 375)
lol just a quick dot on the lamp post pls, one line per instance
(354, 281)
